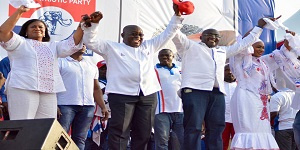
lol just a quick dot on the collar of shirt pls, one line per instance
(165, 67)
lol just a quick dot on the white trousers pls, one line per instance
(28, 104)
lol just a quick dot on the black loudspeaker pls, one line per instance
(34, 134)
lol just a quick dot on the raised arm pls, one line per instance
(181, 42)
(163, 38)
(248, 39)
(278, 58)
(71, 45)
(86, 20)
(7, 27)
(90, 28)
(290, 35)
(77, 36)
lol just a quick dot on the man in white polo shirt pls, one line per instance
(77, 104)
(280, 105)
(169, 112)
(131, 80)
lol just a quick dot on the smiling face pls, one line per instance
(132, 35)
(210, 37)
(165, 57)
(259, 49)
(36, 30)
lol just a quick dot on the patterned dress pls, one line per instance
(249, 104)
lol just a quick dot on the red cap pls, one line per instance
(101, 63)
(185, 7)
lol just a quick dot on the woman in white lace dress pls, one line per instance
(249, 104)
(34, 78)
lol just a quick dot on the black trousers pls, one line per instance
(130, 116)
(285, 139)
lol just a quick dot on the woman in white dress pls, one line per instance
(34, 78)
(249, 104)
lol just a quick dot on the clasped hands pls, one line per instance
(95, 17)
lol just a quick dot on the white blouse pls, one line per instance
(34, 64)
(288, 63)
(252, 73)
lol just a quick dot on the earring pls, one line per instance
(26, 34)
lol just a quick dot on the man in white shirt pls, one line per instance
(280, 105)
(132, 83)
(169, 112)
(76, 105)
(202, 87)
(230, 85)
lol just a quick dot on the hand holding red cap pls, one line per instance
(185, 7)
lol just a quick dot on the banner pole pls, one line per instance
(120, 21)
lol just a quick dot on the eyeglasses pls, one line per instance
(136, 34)
(212, 35)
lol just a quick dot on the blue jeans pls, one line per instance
(80, 118)
(163, 123)
(199, 106)
(296, 128)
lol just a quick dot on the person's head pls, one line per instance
(35, 29)
(102, 69)
(228, 76)
(132, 35)
(165, 57)
(259, 48)
(210, 37)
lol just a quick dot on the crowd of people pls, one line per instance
(221, 95)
